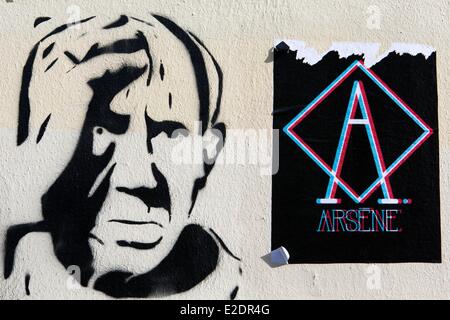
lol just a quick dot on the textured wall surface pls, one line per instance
(236, 202)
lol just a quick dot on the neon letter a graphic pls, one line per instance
(358, 98)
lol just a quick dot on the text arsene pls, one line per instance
(359, 220)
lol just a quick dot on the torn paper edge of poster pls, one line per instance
(370, 50)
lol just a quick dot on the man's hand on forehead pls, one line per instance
(98, 66)
(88, 54)
(66, 62)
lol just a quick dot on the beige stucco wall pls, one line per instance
(240, 34)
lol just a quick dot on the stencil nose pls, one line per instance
(157, 197)
(134, 163)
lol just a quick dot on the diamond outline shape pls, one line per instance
(427, 131)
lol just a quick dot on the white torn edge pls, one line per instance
(370, 50)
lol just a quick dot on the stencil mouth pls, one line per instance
(133, 222)
(139, 245)
(133, 232)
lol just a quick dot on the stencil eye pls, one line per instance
(102, 138)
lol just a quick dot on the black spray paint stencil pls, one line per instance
(98, 208)
(358, 178)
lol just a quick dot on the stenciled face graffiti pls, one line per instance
(120, 209)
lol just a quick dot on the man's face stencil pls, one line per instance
(123, 198)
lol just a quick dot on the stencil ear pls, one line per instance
(214, 139)
(213, 142)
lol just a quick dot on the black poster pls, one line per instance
(358, 173)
